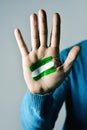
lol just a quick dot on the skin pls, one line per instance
(40, 50)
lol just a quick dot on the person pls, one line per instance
(45, 96)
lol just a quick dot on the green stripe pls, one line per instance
(49, 71)
(40, 63)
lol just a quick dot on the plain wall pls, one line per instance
(17, 14)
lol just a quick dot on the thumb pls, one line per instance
(71, 58)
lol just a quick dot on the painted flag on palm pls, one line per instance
(42, 68)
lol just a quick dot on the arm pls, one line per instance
(36, 108)
(40, 111)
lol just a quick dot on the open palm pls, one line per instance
(40, 50)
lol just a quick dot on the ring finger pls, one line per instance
(34, 31)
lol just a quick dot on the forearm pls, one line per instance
(39, 112)
(36, 111)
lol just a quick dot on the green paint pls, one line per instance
(40, 63)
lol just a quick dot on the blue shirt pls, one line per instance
(39, 112)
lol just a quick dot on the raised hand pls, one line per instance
(41, 50)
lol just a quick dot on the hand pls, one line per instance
(40, 50)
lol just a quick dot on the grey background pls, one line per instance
(16, 14)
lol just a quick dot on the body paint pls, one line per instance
(42, 68)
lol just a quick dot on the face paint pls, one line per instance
(42, 68)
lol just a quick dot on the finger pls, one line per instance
(34, 31)
(22, 46)
(71, 58)
(43, 28)
(55, 34)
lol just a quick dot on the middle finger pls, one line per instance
(43, 28)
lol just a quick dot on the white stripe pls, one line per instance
(42, 68)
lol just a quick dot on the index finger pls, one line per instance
(55, 38)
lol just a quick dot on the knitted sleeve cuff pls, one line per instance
(39, 101)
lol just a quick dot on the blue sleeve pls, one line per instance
(39, 112)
